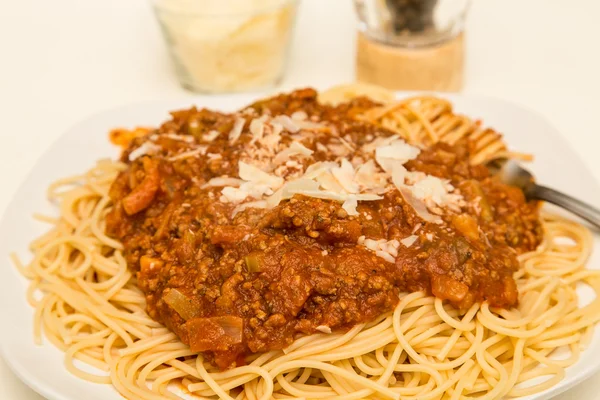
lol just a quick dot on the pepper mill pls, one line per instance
(411, 44)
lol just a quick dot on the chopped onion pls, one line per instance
(214, 333)
(252, 263)
(181, 303)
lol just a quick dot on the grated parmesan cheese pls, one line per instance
(396, 152)
(287, 123)
(257, 128)
(368, 177)
(299, 115)
(323, 328)
(210, 136)
(187, 154)
(386, 256)
(182, 138)
(350, 206)
(344, 174)
(251, 204)
(143, 149)
(416, 228)
(409, 241)
(321, 147)
(296, 148)
(253, 174)
(309, 125)
(236, 131)
(222, 181)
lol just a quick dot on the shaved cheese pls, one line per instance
(222, 181)
(323, 328)
(398, 175)
(257, 128)
(290, 189)
(346, 143)
(247, 189)
(378, 142)
(277, 128)
(350, 206)
(183, 138)
(309, 125)
(145, 148)
(271, 141)
(338, 150)
(299, 115)
(323, 194)
(418, 206)
(287, 123)
(344, 174)
(322, 147)
(294, 149)
(251, 173)
(409, 241)
(341, 197)
(429, 236)
(368, 176)
(328, 182)
(372, 244)
(251, 204)
(210, 136)
(367, 197)
(236, 131)
(187, 154)
(416, 228)
(386, 256)
(397, 152)
(233, 195)
(392, 251)
(318, 168)
(385, 249)
(432, 188)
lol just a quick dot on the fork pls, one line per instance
(511, 173)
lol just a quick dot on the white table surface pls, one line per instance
(63, 60)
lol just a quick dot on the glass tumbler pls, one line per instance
(222, 46)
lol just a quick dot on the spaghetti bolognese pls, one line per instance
(299, 250)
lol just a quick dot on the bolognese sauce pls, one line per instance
(235, 264)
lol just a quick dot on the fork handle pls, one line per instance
(577, 207)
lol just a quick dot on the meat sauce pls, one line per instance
(230, 285)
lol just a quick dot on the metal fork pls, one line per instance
(511, 173)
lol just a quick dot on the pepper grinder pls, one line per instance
(411, 44)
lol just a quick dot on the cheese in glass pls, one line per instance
(227, 46)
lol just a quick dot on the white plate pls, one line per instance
(41, 367)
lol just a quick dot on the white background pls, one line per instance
(63, 60)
